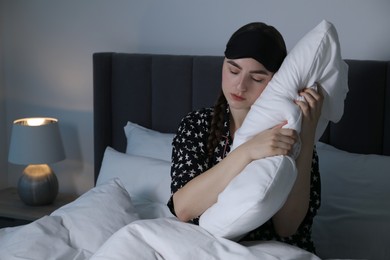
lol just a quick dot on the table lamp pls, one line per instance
(36, 142)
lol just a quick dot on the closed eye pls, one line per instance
(258, 80)
(235, 72)
(234, 68)
(260, 76)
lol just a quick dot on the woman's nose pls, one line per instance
(241, 86)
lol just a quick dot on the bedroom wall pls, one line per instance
(3, 136)
(47, 46)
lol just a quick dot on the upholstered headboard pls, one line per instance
(156, 91)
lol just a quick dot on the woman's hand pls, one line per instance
(271, 142)
(311, 109)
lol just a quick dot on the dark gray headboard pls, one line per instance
(156, 91)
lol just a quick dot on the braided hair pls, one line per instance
(216, 126)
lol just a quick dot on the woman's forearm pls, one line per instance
(293, 212)
(202, 192)
(290, 216)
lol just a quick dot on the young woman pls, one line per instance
(202, 164)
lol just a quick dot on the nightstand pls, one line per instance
(13, 212)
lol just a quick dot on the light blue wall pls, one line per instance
(46, 55)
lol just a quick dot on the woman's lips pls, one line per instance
(237, 97)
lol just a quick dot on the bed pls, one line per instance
(353, 221)
(139, 100)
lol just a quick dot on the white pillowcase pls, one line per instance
(147, 180)
(259, 191)
(149, 143)
(353, 220)
(93, 217)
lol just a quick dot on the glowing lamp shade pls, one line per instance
(36, 142)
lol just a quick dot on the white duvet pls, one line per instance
(162, 238)
(45, 238)
(104, 224)
(168, 238)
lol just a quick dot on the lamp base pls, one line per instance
(38, 185)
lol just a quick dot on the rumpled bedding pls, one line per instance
(46, 238)
(168, 238)
(162, 238)
(104, 224)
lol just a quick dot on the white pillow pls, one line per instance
(353, 220)
(142, 141)
(147, 180)
(315, 58)
(251, 198)
(266, 183)
(93, 217)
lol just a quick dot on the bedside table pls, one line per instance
(13, 212)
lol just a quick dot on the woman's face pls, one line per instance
(243, 81)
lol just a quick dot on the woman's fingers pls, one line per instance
(280, 125)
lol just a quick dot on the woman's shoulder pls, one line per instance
(202, 114)
(197, 120)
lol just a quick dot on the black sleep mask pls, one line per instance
(257, 44)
